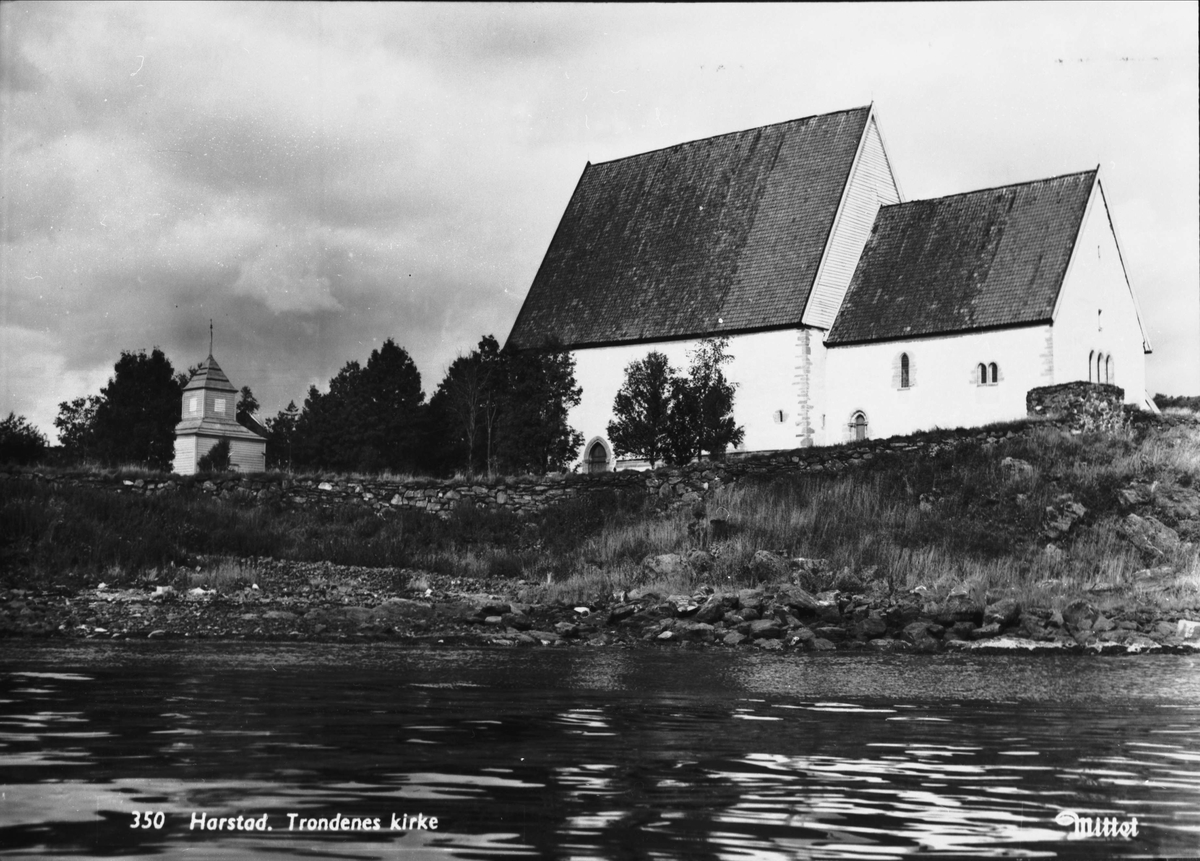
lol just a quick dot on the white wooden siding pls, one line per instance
(871, 185)
(185, 455)
(246, 455)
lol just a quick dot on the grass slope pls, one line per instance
(902, 522)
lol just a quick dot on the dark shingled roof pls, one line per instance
(718, 235)
(210, 376)
(969, 261)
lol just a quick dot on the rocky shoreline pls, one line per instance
(322, 602)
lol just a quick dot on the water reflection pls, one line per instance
(592, 754)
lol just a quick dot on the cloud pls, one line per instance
(318, 177)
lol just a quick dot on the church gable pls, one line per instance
(715, 236)
(871, 185)
(966, 262)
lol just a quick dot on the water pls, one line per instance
(575, 753)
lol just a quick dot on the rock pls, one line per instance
(493, 608)
(1062, 516)
(919, 636)
(700, 561)
(830, 632)
(768, 567)
(820, 644)
(797, 598)
(666, 637)
(1149, 535)
(621, 612)
(716, 607)
(695, 631)
(1015, 469)
(750, 599)
(848, 581)
(872, 626)
(958, 607)
(684, 605)
(963, 629)
(827, 611)
(1004, 612)
(154, 635)
(886, 645)
(801, 636)
(765, 629)
(519, 621)
(810, 574)
(566, 629)
(665, 565)
(1188, 629)
(735, 639)
(496, 621)
(1102, 624)
(278, 614)
(1080, 615)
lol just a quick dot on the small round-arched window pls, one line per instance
(1091, 359)
(994, 372)
(982, 369)
(1109, 373)
(904, 378)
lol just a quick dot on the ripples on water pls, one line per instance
(593, 754)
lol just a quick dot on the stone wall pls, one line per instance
(1079, 405)
(668, 487)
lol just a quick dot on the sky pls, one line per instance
(316, 178)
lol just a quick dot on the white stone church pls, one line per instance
(850, 313)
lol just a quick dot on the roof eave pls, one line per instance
(941, 333)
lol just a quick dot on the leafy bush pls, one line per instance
(20, 442)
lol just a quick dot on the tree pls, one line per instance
(701, 413)
(216, 459)
(281, 436)
(642, 410)
(463, 410)
(76, 423)
(138, 410)
(20, 442)
(247, 403)
(532, 430)
(370, 418)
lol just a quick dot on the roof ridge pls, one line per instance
(730, 134)
(1092, 171)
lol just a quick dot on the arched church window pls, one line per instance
(1091, 362)
(904, 376)
(1099, 367)
(994, 372)
(982, 369)
(1109, 373)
